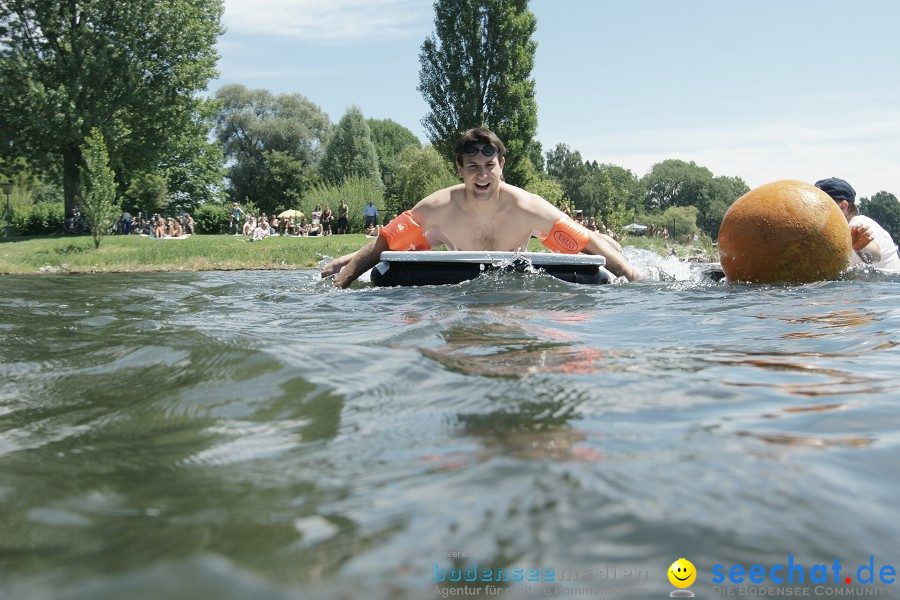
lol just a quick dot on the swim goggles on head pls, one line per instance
(472, 150)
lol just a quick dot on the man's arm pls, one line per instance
(337, 264)
(615, 262)
(545, 216)
(360, 262)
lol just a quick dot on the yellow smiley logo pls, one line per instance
(682, 573)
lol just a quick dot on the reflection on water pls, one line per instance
(263, 435)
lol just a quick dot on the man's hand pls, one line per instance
(864, 243)
(356, 264)
(860, 236)
(336, 265)
(615, 261)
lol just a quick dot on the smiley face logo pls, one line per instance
(682, 573)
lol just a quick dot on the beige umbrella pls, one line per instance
(288, 214)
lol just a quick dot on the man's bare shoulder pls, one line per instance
(530, 202)
(437, 200)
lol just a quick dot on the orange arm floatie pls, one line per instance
(403, 233)
(567, 237)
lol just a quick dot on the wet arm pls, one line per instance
(336, 265)
(361, 261)
(615, 262)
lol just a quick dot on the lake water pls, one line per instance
(262, 435)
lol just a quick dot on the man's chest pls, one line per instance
(485, 234)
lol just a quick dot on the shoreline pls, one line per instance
(71, 255)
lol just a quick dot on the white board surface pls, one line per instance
(467, 256)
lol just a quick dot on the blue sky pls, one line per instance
(765, 90)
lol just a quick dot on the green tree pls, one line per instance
(725, 190)
(419, 173)
(476, 71)
(884, 208)
(356, 191)
(566, 166)
(390, 138)
(677, 183)
(674, 182)
(130, 69)
(194, 167)
(212, 218)
(281, 182)
(548, 189)
(350, 152)
(681, 221)
(146, 194)
(628, 188)
(614, 211)
(99, 183)
(250, 123)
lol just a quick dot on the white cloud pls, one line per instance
(862, 148)
(330, 21)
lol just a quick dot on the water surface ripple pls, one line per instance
(260, 434)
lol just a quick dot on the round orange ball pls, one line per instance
(786, 231)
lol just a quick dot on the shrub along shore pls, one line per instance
(122, 254)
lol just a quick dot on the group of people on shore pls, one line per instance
(262, 226)
(289, 223)
(156, 226)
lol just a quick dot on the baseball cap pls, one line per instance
(837, 189)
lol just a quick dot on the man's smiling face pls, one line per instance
(481, 174)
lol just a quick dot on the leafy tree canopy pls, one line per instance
(420, 172)
(390, 139)
(884, 208)
(130, 69)
(252, 123)
(351, 152)
(476, 71)
(678, 183)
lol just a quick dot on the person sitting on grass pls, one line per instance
(261, 231)
(303, 228)
(159, 231)
(249, 225)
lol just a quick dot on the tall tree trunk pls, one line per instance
(72, 178)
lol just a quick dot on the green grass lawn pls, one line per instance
(196, 253)
(206, 253)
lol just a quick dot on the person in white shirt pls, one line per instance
(872, 245)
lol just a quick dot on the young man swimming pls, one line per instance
(482, 213)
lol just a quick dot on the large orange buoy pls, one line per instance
(785, 231)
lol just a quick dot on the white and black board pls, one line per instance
(439, 268)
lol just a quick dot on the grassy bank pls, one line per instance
(206, 253)
(196, 253)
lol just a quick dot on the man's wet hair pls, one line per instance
(478, 136)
